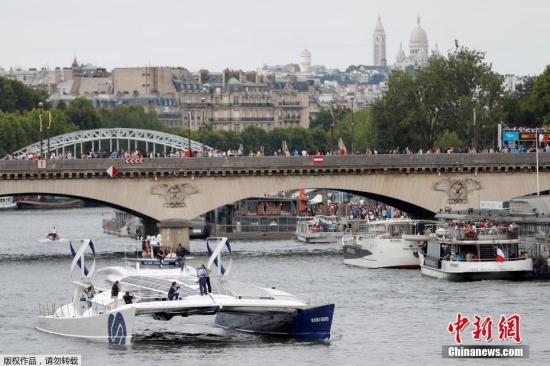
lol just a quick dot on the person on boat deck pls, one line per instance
(452, 257)
(90, 292)
(180, 253)
(172, 292)
(128, 297)
(469, 257)
(145, 252)
(161, 254)
(202, 274)
(114, 294)
(53, 233)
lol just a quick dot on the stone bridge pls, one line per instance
(166, 189)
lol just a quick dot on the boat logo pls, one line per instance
(116, 328)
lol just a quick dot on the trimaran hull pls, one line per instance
(307, 324)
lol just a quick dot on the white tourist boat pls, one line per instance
(321, 229)
(243, 308)
(457, 253)
(391, 243)
(7, 203)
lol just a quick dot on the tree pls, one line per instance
(8, 99)
(130, 116)
(441, 96)
(447, 140)
(83, 114)
(539, 99)
(274, 140)
(253, 138)
(17, 97)
(61, 105)
(322, 120)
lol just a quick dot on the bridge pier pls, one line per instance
(175, 231)
(149, 227)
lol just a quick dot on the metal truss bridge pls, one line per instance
(111, 139)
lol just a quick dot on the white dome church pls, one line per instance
(418, 49)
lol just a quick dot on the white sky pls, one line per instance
(245, 34)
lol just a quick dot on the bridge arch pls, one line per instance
(100, 201)
(77, 140)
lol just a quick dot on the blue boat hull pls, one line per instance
(312, 324)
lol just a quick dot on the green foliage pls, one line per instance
(418, 108)
(19, 130)
(130, 116)
(447, 140)
(254, 137)
(17, 97)
(539, 99)
(82, 112)
(322, 120)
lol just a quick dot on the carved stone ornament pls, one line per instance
(457, 189)
(174, 194)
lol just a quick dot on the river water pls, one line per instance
(381, 317)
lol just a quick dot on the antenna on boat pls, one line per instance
(216, 255)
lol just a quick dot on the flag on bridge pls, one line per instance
(342, 147)
(112, 171)
(500, 254)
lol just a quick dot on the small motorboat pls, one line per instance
(321, 229)
(53, 238)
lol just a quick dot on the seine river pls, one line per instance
(382, 316)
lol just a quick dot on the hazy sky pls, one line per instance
(245, 34)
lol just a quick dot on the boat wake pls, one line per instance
(51, 257)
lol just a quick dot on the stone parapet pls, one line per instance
(273, 165)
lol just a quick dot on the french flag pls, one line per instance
(500, 254)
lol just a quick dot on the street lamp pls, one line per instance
(333, 117)
(40, 105)
(352, 126)
(475, 100)
(48, 133)
(203, 100)
(189, 153)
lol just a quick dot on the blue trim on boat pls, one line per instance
(313, 323)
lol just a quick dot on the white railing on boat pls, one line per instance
(67, 310)
(494, 233)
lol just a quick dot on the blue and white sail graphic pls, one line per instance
(79, 258)
(216, 254)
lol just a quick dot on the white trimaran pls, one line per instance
(250, 309)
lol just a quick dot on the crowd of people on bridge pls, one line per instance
(240, 152)
(364, 209)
